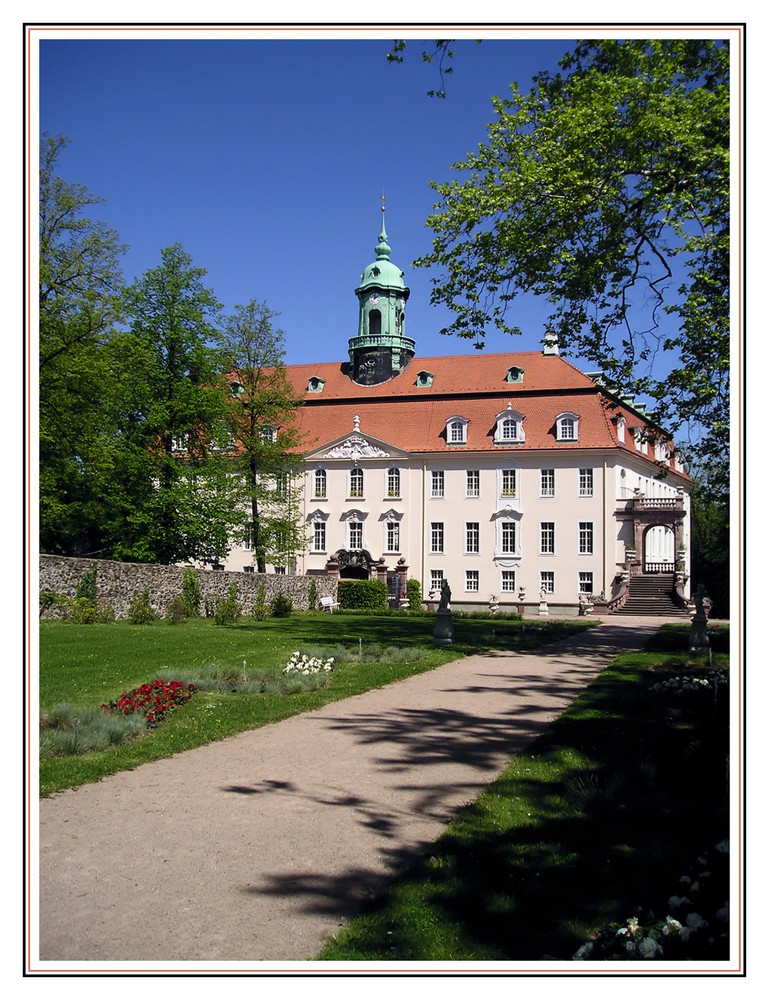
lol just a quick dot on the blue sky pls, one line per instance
(266, 159)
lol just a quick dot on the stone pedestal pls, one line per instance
(543, 609)
(443, 633)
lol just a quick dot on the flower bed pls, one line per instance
(156, 700)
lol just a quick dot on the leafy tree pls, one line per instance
(605, 189)
(80, 283)
(170, 494)
(266, 443)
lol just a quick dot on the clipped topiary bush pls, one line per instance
(365, 595)
(414, 594)
(281, 606)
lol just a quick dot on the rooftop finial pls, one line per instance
(382, 250)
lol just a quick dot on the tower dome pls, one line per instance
(381, 350)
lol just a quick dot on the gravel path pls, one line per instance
(254, 849)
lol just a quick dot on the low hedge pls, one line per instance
(365, 595)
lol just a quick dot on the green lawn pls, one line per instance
(88, 665)
(597, 823)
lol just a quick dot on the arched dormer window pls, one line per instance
(514, 374)
(621, 429)
(236, 388)
(509, 427)
(567, 427)
(424, 379)
(315, 384)
(456, 430)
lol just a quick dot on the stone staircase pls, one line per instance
(652, 594)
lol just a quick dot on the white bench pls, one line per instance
(328, 604)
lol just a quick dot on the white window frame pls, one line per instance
(586, 482)
(546, 491)
(355, 528)
(507, 525)
(507, 581)
(586, 538)
(547, 581)
(509, 428)
(319, 529)
(473, 492)
(437, 538)
(354, 492)
(567, 427)
(511, 475)
(436, 580)
(456, 431)
(472, 581)
(392, 528)
(472, 538)
(437, 484)
(549, 527)
(393, 483)
(585, 582)
(320, 484)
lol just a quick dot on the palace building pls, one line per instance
(514, 477)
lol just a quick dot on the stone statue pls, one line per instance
(443, 604)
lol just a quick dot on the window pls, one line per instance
(281, 484)
(586, 538)
(315, 384)
(356, 483)
(585, 482)
(456, 430)
(509, 428)
(248, 538)
(640, 440)
(438, 487)
(472, 581)
(393, 482)
(436, 579)
(585, 583)
(236, 389)
(436, 536)
(319, 488)
(547, 483)
(355, 534)
(507, 581)
(180, 443)
(472, 537)
(473, 483)
(424, 378)
(392, 536)
(514, 374)
(621, 429)
(319, 536)
(547, 537)
(567, 426)
(547, 581)
(508, 537)
(269, 433)
(374, 322)
(507, 488)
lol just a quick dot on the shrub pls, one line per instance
(140, 610)
(414, 594)
(281, 606)
(176, 610)
(50, 599)
(259, 609)
(228, 610)
(191, 596)
(312, 596)
(85, 611)
(367, 595)
(86, 588)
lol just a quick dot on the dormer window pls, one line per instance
(514, 374)
(315, 384)
(236, 388)
(509, 427)
(621, 429)
(567, 427)
(269, 433)
(424, 379)
(640, 440)
(456, 430)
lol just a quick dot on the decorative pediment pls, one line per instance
(354, 448)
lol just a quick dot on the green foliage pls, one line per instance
(312, 596)
(367, 595)
(260, 610)
(50, 599)
(191, 596)
(86, 587)
(605, 190)
(84, 611)
(176, 610)
(414, 594)
(79, 305)
(710, 537)
(227, 610)
(140, 610)
(260, 422)
(281, 606)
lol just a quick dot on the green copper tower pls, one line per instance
(381, 349)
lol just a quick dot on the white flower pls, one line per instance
(649, 948)
(630, 946)
(632, 924)
(583, 952)
(671, 926)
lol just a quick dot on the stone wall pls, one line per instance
(119, 583)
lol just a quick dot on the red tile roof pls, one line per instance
(413, 418)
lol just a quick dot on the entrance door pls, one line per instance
(659, 546)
